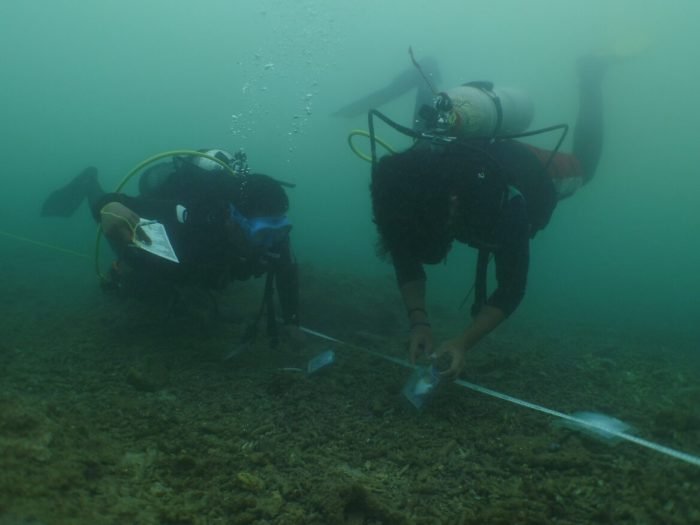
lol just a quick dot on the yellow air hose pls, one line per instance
(361, 154)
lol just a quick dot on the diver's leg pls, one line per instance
(408, 79)
(93, 190)
(65, 201)
(570, 171)
(400, 85)
(588, 135)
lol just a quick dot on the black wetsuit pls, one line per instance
(503, 225)
(426, 236)
(201, 239)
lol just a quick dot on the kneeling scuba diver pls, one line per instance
(222, 222)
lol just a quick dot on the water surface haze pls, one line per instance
(110, 83)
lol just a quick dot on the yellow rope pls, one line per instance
(43, 244)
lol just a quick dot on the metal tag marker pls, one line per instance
(668, 451)
(421, 385)
(322, 360)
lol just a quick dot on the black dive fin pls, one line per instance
(408, 79)
(64, 201)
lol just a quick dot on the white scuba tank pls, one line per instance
(479, 110)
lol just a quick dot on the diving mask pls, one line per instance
(262, 232)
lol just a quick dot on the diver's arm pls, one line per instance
(411, 279)
(512, 261)
(161, 210)
(421, 334)
(413, 294)
(118, 222)
(119, 215)
(488, 318)
(511, 277)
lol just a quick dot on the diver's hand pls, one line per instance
(454, 350)
(421, 341)
(119, 223)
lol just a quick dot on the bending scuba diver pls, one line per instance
(222, 227)
(467, 180)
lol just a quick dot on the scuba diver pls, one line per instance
(222, 225)
(467, 179)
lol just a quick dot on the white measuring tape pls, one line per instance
(671, 452)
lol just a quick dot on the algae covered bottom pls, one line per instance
(108, 416)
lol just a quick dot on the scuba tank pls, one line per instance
(479, 110)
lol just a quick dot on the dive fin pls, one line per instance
(405, 81)
(628, 45)
(595, 65)
(64, 201)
